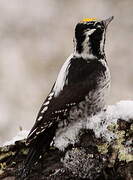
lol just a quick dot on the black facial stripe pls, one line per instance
(80, 36)
(95, 40)
(82, 27)
(79, 46)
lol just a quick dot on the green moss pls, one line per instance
(103, 148)
(112, 127)
(24, 151)
(4, 149)
(125, 156)
(131, 127)
(2, 167)
(119, 146)
(6, 155)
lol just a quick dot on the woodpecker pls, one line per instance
(84, 76)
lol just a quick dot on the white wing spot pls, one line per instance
(38, 132)
(40, 156)
(42, 130)
(46, 103)
(50, 97)
(51, 94)
(71, 104)
(39, 119)
(50, 124)
(44, 109)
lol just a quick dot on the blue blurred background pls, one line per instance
(35, 40)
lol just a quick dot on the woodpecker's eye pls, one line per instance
(99, 25)
(97, 34)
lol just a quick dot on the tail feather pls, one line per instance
(32, 158)
(40, 145)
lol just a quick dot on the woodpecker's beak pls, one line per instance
(107, 21)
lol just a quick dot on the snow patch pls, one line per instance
(68, 136)
(21, 135)
(100, 122)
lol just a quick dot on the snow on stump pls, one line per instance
(97, 148)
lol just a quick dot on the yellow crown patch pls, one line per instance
(88, 19)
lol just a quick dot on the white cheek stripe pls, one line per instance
(102, 42)
(61, 79)
(88, 33)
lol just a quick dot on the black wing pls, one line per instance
(82, 77)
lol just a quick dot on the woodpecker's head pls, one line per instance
(90, 37)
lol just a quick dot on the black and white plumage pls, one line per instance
(84, 75)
